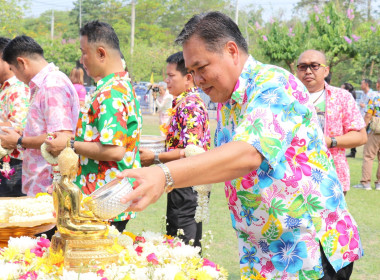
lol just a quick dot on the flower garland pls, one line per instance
(201, 212)
(6, 169)
(51, 159)
(148, 256)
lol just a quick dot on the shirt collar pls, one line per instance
(11, 81)
(104, 80)
(39, 79)
(245, 77)
(184, 94)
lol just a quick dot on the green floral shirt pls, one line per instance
(112, 117)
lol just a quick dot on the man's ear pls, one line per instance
(233, 50)
(22, 63)
(327, 71)
(190, 79)
(101, 53)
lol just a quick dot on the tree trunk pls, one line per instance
(371, 68)
(291, 67)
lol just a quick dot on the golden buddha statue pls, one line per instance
(81, 237)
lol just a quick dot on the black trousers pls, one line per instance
(12, 187)
(180, 212)
(330, 274)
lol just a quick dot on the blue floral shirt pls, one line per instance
(294, 201)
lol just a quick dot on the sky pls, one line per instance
(269, 6)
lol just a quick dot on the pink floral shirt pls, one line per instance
(54, 106)
(342, 116)
(14, 104)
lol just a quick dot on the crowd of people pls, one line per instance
(280, 141)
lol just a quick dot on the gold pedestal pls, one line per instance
(84, 255)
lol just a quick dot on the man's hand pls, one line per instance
(56, 145)
(146, 157)
(148, 187)
(362, 105)
(9, 140)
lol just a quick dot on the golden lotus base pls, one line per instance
(84, 255)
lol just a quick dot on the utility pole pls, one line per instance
(80, 14)
(368, 10)
(52, 26)
(133, 18)
(237, 12)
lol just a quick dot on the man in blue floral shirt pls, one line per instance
(286, 202)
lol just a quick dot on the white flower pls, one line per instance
(92, 177)
(118, 142)
(103, 109)
(129, 157)
(111, 174)
(22, 243)
(101, 183)
(80, 131)
(117, 103)
(85, 118)
(82, 181)
(91, 133)
(101, 98)
(106, 135)
(83, 160)
(131, 110)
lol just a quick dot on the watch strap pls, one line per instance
(19, 143)
(72, 141)
(156, 159)
(169, 182)
(334, 143)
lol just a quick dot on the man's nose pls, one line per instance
(198, 79)
(308, 69)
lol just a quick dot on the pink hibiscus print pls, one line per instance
(231, 196)
(348, 233)
(249, 180)
(298, 163)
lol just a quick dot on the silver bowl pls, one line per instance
(106, 203)
(153, 142)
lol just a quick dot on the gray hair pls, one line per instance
(163, 85)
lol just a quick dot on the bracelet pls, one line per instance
(169, 183)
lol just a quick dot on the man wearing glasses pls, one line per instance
(338, 114)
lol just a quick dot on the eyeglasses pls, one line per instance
(313, 66)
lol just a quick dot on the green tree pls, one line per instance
(11, 14)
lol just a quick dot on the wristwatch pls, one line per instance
(333, 142)
(72, 144)
(169, 182)
(156, 159)
(19, 143)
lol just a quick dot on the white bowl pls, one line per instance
(106, 200)
(153, 142)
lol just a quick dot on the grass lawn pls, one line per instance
(364, 205)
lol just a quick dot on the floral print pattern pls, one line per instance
(113, 117)
(293, 202)
(189, 123)
(342, 116)
(54, 106)
(14, 105)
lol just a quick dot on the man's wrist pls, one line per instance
(19, 143)
(156, 159)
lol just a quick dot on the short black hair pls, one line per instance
(100, 32)
(178, 59)
(21, 46)
(3, 43)
(215, 29)
(368, 82)
(350, 88)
